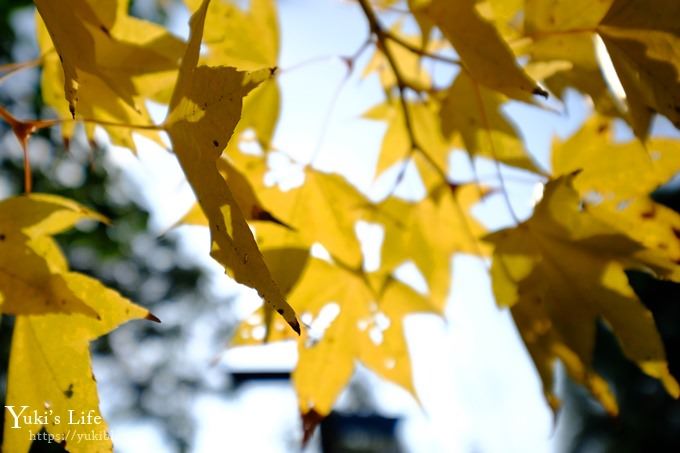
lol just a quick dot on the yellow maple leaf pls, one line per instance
(429, 232)
(483, 53)
(323, 209)
(473, 111)
(58, 313)
(560, 272)
(605, 171)
(396, 144)
(109, 46)
(640, 37)
(247, 40)
(34, 277)
(353, 321)
(50, 371)
(244, 194)
(204, 110)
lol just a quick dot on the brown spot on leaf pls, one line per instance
(2, 236)
(68, 393)
(105, 30)
(676, 232)
(279, 311)
(648, 214)
(215, 143)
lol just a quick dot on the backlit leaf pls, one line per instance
(204, 110)
(484, 54)
(351, 321)
(50, 370)
(473, 111)
(560, 272)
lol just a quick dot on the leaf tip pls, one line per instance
(296, 326)
(151, 317)
(310, 420)
(538, 91)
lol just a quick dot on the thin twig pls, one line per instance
(11, 67)
(381, 35)
(349, 62)
(148, 127)
(308, 62)
(419, 51)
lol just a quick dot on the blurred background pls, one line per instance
(174, 387)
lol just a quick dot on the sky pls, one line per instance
(477, 386)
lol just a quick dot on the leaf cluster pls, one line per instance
(560, 272)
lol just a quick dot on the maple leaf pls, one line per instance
(355, 318)
(429, 232)
(396, 144)
(484, 54)
(352, 316)
(34, 277)
(560, 272)
(562, 31)
(605, 170)
(204, 110)
(640, 37)
(98, 100)
(245, 197)
(58, 313)
(323, 209)
(473, 111)
(286, 263)
(247, 40)
(107, 45)
(505, 15)
(50, 370)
